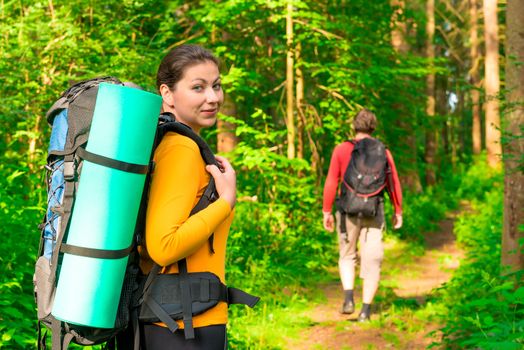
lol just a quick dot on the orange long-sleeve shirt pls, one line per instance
(337, 167)
(178, 182)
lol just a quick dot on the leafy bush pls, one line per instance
(484, 310)
(18, 247)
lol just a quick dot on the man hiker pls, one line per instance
(360, 208)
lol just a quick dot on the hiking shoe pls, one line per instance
(363, 317)
(348, 307)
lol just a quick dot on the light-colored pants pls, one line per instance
(368, 232)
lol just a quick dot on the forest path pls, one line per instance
(398, 319)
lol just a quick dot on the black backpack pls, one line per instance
(70, 118)
(364, 179)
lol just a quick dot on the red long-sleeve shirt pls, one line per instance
(339, 162)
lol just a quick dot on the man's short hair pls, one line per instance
(365, 121)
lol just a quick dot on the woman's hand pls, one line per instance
(225, 180)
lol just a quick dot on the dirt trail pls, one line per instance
(406, 284)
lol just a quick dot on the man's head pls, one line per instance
(365, 121)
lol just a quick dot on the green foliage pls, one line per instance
(483, 309)
(17, 254)
(277, 246)
(421, 213)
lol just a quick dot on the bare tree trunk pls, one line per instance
(476, 131)
(431, 139)
(399, 28)
(492, 83)
(459, 147)
(300, 101)
(512, 250)
(290, 121)
(411, 179)
(32, 141)
(226, 136)
(441, 107)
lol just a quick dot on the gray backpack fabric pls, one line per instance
(70, 118)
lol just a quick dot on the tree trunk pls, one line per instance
(441, 106)
(299, 102)
(431, 139)
(226, 136)
(492, 83)
(459, 148)
(512, 251)
(476, 132)
(33, 140)
(290, 121)
(411, 179)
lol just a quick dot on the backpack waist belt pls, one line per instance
(162, 302)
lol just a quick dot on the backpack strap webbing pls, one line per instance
(67, 340)
(67, 205)
(111, 163)
(41, 345)
(343, 227)
(96, 253)
(210, 195)
(60, 340)
(185, 130)
(237, 296)
(187, 304)
(153, 305)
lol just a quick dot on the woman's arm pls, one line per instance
(171, 234)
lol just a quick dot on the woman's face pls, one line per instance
(196, 98)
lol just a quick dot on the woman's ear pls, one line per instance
(167, 95)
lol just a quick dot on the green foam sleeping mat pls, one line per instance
(106, 205)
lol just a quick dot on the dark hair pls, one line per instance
(175, 63)
(365, 121)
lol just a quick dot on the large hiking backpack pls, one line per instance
(71, 118)
(364, 179)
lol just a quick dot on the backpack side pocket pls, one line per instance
(43, 288)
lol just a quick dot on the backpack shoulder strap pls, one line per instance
(168, 123)
(182, 129)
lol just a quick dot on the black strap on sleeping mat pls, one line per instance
(112, 163)
(96, 253)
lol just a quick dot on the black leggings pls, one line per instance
(206, 338)
(154, 337)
